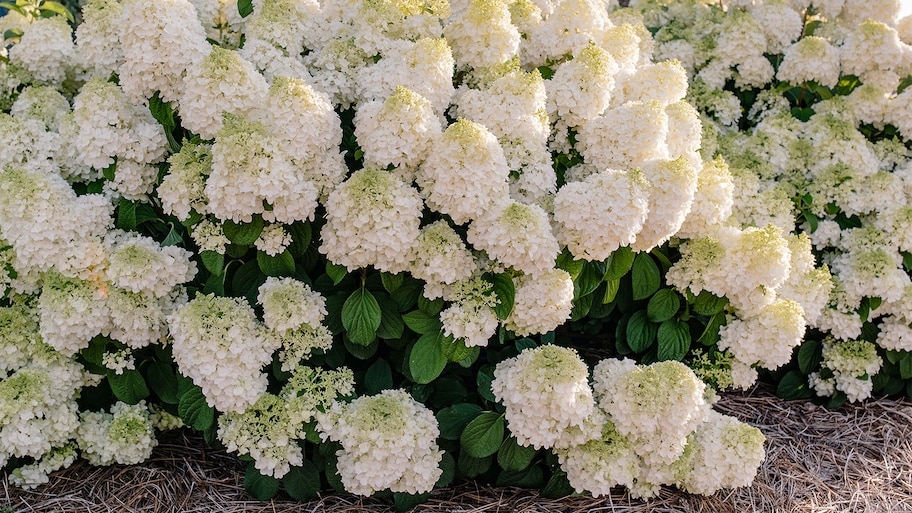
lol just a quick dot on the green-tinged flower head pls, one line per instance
(713, 368)
(311, 389)
(27, 386)
(855, 358)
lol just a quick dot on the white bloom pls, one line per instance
(516, 235)
(723, 453)
(542, 303)
(46, 50)
(98, 37)
(581, 88)
(289, 304)
(547, 397)
(626, 136)
(43, 103)
(183, 188)
(372, 219)
(673, 184)
(441, 256)
(273, 240)
(139, 264)
(125, 436)
(398, 453)
(766, 338)
(712, 202)
(72, 312)
(482, 34)
(219, 344)
(471, 317)
(209, 236)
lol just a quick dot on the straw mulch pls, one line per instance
(854, 459)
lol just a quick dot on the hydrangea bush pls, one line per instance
(353, 242)
(808, 104)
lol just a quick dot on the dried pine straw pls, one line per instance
(854, 459)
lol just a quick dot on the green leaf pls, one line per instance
(505, 292)
(422, 323)
(282, 264)
(163, 381)
(59, 9)
(483, 380)
(710, 334)
(707, 303)
(302, 483)
(674, 340)
(247, 281)
(194, 410)
(391, 325)
(173, 238)
(589, 280)
(640, 332)
(448, 465)
(244, 234)
(407, 295)
(512, 456)
(531, 477)
(162, 112)
(406, 501)
(129, 386)
(663, 305)
(454, 419)
(126, 215)
(483, 436)
(361, 316)
(260, 486)
(335, 272)
(793, 386)
(809, 356)
(378, 377)
(619, 263)
(905, 367)
(245, 8)
(566, 262)
(426, 360)
(361, 352)
(558, 486)
(214, 262)
(473, 467)
(391, 282)
(611, 289)
(646, 276)
(430, 307)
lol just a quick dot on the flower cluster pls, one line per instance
(125, 435)
(388, 442)
(847, 367)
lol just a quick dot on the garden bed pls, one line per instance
(852, 459)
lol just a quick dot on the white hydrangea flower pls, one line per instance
(441, 258)
(664, 82)
(570, 25)
(547, 397)
(780, 23)
(873, 52)
(626, 136)
(471, 317)
(110, 126)
(160, 42)
(133, 180)
(654, 406)
(713, 200)
(424, 66)
(398, 131)
(19, 337)
(517, 235)
(743, 375)
(98, 37)
(220, 82)
(354, 236)
(72, 312)
(467, 174)
(46, 51)
(335, 68)
(482, 35)
(303, 119)
(286, 24)
(399, 453)
(596, 216)
(897, 113)
(67, 155)
(36, 474)
(766, 338)
(685, 132)
(38, 409)
(852, 363)
(301, 342)
(808, 285)
(139, 264)
(183, 188)
(723, 453)
(599, 465)
(269, 430)
(895, 334)
(119, 361)
(209, 236)
(542, 302)
(870, 265)
(273, 240)
(250, 168)
(140, 319)
(219, 344)
(289, 304)
(580, 89)
(673, 184)
(43, 103)
(48, 225)
(221, 19)
(512, 107)
(125, 436)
